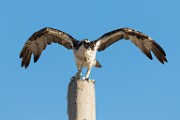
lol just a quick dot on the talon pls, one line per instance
(87, 79)
(77, 77)
(82, 78)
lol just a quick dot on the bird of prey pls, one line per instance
(85, 50)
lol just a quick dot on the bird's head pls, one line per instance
(86, 43)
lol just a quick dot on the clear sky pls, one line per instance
(128, 87)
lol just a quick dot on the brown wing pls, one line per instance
(142, 41)
(40, 39)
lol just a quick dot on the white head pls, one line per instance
(87, 44)
(85, 40)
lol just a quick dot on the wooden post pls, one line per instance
(81, 100)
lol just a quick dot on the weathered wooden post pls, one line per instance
(81, 100)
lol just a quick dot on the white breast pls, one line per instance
(85, 57)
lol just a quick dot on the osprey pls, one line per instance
(85, 50)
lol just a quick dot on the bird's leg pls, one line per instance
(79, 71)
(88, 73)
(78, 74)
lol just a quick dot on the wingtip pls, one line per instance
(163, 61)
(22, 65)
(26, 66)
(25, 63)
(150, 57)
(36, 57)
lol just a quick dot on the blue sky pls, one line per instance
(128, 87)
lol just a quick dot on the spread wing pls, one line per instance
(40, 39)
(142, 41)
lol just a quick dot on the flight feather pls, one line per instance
(142, 41)
(40, 39)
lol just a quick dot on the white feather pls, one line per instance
(85, 57)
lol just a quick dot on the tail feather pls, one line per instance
(97, 64)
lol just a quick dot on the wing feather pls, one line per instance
(40, 39)
(142, 41)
